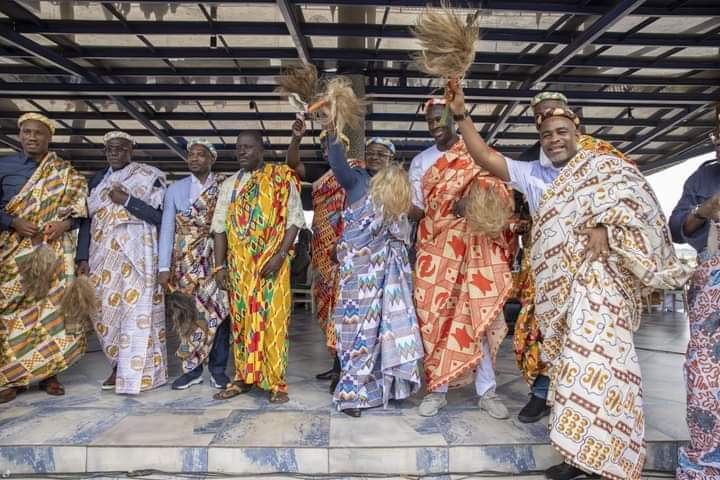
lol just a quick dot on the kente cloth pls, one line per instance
(527, 337)
(130, 323)
(259, 307)
(191, 273)
(588, 311)
(33, 342)
(379, 344)
(600, 147)
(328, 199)
(700, 460)
(462, 279)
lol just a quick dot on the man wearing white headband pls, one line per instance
(186, 268)
(118, 247)
(459, 295)
(35, 344)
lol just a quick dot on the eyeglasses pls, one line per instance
(378, 155)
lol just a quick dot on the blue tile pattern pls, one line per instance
(188, 431)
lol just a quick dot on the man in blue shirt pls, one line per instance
(42, 198)
(699, 203)
(186, 265)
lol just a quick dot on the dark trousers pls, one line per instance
(217, 361)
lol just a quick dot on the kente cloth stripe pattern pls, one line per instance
(588, 311)
(328, 199)
(379, 344)
(191, 273)
(527, 337)
(33, 342)
(130, 323)
(462, 279)
(260, 307)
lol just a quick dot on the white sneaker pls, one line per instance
(431, 404)
(492, 404)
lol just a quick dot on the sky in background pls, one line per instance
(668, 186)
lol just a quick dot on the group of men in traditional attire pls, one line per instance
(224, 245)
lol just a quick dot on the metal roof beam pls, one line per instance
(299, 30)
(666, 126)
(269, 72)
(363, 55)
(564, 57)
(59, 61)
(292, 23)
(267, 92)
(696, 8)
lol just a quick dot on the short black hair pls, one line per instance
(254, 134)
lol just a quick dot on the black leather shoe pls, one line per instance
(534, 410)
(333, 383)
(329, 374)
(326, 375)
(565, 471)
(352, 412)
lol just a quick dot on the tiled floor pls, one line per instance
(88, 430)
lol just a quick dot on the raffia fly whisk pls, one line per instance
(447, 42)
(391, 189)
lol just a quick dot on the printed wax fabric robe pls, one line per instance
(462, 279)
(379, 344)
(700, 460)
(33, 342)
(588, 311)
(123, 264)
(191, 273)
(527, 337)
(260, 307)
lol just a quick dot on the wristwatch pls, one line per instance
(461, 117)
(695, 212)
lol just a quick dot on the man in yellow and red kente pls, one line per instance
(257, 217)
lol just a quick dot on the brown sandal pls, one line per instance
(52, 386)
(232, 390)
(279, 397)
(9, 394)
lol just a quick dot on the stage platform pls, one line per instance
(187, 431)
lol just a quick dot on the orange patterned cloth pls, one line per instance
(328, 199)
(462, 280)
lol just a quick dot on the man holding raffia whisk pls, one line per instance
(465, 243)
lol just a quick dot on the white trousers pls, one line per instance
(484, 375)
